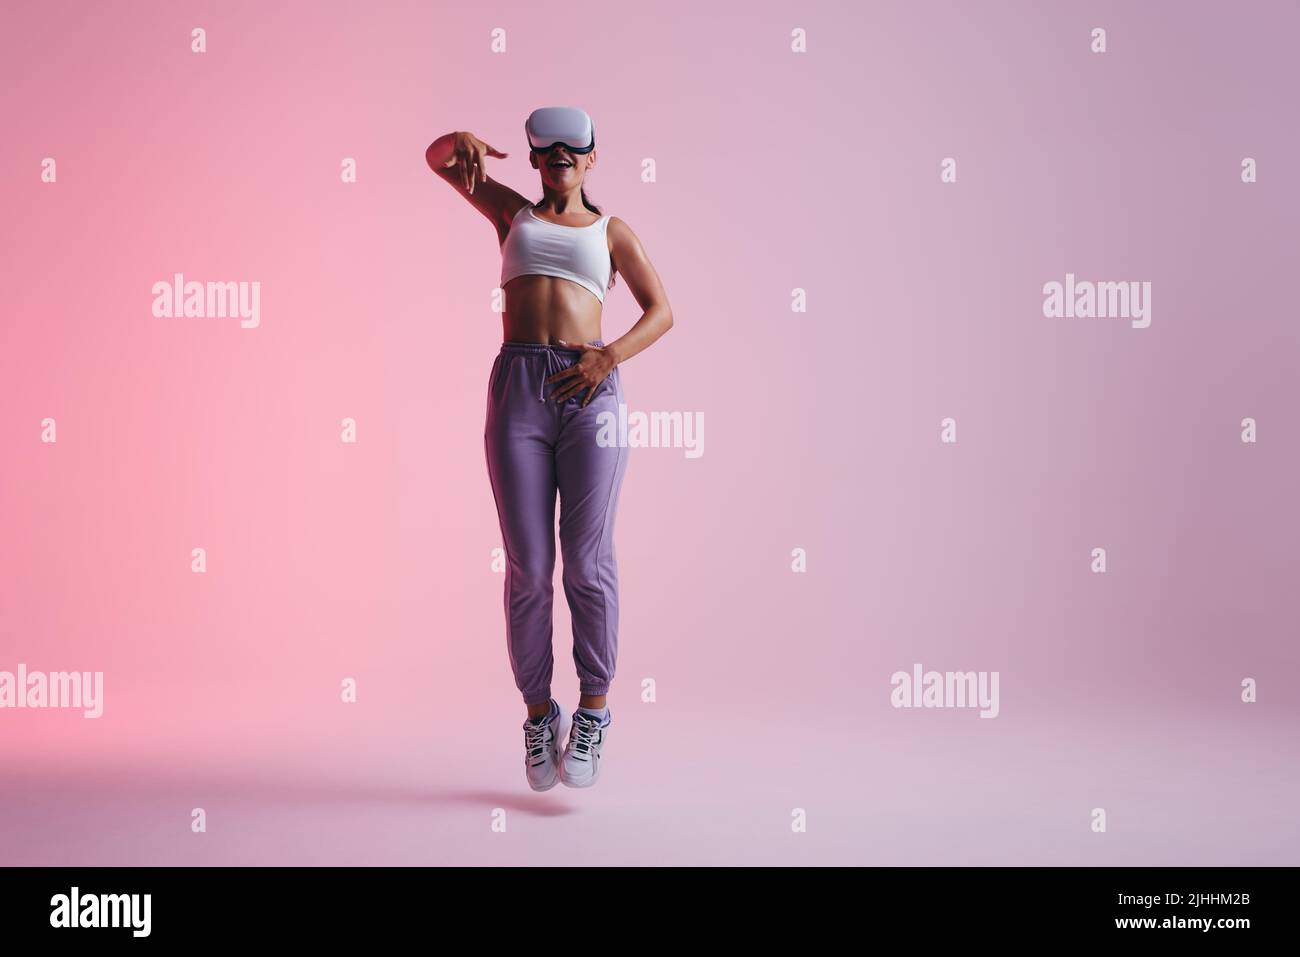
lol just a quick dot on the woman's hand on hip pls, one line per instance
(588, 373)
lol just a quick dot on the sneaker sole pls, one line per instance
(584, 784)
(546, 787)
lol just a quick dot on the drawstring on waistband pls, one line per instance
(541, 380)
(551, 353)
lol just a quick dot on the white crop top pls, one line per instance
(535, 246)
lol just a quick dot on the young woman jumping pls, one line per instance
(553, 376)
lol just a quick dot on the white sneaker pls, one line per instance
(581, 763)
(542, 751)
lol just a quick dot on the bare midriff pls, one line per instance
(543, 309)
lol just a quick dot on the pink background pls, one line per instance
(775, 171)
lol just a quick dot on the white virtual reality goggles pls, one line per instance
(566, 126)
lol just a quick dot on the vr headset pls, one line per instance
(566, 126)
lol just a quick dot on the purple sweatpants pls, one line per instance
(536, 447)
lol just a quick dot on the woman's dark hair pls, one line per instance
(595, 209)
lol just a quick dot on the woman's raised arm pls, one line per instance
(460, 158)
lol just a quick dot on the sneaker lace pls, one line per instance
(535, 739)
(583, 735)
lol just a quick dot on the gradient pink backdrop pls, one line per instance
(775, 171)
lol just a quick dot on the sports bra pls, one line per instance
(538, 247)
